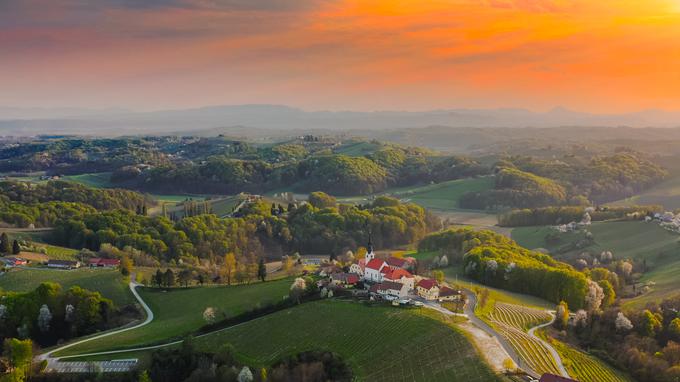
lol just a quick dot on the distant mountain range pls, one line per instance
(32, 121)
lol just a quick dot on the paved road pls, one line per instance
(52, 361)
(552, 350)
(470, 311)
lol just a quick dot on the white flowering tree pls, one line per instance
(44, 318)
(245, 375)
(581, 318)
(3, 312)
(297, 289)
(622, 322)
(594, 296)
(69, 313)
(210, 315)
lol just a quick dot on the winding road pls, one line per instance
(149, 317)
(470, 312)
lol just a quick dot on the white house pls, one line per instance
(390, 290)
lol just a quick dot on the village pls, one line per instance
(390, 279)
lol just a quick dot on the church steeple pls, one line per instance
(369, 249)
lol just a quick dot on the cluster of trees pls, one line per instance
(49, 314)
(15, 363)
(516, 188)
(82, 155)
(509, 266)
(565, 214)
(498, 261)
(44, 204)
(529, 182)
(645, 342)
(258, 233)
(285, 165)
(62, 191)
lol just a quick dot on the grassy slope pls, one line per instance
(380, 343)
(180, 311)
(666, 194)
(95, 180)
(108, 282)
(440, 196)
(635, 240)
(357, 149)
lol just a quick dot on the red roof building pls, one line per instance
(15, 261)
(375, 264)
(395, 262)
(99, 262)
(428, 283)
(555, 378)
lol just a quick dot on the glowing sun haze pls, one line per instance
(600, 56)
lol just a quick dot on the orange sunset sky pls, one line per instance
(598, 56)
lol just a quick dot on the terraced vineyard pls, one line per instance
(512, 321)
(584, 367)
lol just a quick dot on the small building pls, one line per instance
(428, 289)
(63, 264)
(555, 378)
(14, 261)
(346, 279)
(449, 294)
(104, 263)
(390, 290)
(401, 276)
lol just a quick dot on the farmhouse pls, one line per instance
(345, 279)
(401, 276)
(555, 378)
(401, 263)
(428, 289)
(390, 290)
(104, 263)
(63, 264)
(448, 294)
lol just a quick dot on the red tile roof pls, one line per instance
(428, 283)
(389, 285)
(375, 264)
(446, 291)
(397, 274)
(103, 262)
(555, 378)
(396, 262)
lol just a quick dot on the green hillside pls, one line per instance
(109, 283)
(666, 194)
(180, 311)
(380, 343)
(640, 241)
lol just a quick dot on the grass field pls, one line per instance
(627, 240)
(582, 366)
(357, 149)
(109, 283)
(666, 194)
(95, 180)
(180, 311)
(380, 343)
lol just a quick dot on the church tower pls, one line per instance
(369, 250)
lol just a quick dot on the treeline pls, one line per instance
(43, 205)
(495, 260)
(304, 228)
(528, 182)
(62, 191)
(562, 215)
(336, 173)
(645, 342)
(49, 314)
